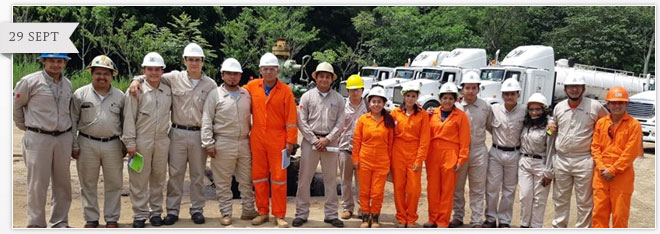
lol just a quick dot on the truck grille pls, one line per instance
(641, 110)
(342, 89)
(397, 98)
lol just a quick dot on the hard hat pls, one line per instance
(153, 59)
(324, 67)
(231, 65)
(617, 94)
(193, 50)
(448, 87)
(510, 85)
(471, 77)
(354, 82)
(54, 55)
(574, 79)
(538, 98)
(410, 86)
(269, 59)
(377, 91)
(104, 62)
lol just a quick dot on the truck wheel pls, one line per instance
(430, 105)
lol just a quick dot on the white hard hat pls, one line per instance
(574, 79)
(193, 50)
(510, 85)
(538, 98)
(153, 59)
(471, 77)
(377, 91)
(325, 67)
(448, 87)
(269, 59)
(231, 65)
(410, 86)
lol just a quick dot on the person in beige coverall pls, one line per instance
(41, 108)
(96, 114)
(146, 123)
(226, 137)
(189, 91)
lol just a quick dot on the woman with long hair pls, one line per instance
(372, 152)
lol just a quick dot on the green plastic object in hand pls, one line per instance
(136, 162)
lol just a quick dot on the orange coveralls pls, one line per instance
(450, 145)
(273, 125)
(372, 149)
(412, 136)
(616, 153)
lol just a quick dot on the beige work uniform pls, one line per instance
(347, 173)
(480, 114)
(42, 103)
(226, 127)
(100, 119)
(503, 165)
(146, 122)
(186, 146)
(537, 150)
(319, 115)
(573, 165)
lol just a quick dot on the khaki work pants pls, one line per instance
(308, 163)
(224, 165)
(475, 170)
(502, 177)
(348, 176)
(573, 173)
(147, 186)
(185, 150)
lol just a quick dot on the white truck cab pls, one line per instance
(642, 108)
(369, 75)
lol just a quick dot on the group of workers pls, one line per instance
(174, 121)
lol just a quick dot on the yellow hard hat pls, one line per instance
(354, 82)
(104, 62)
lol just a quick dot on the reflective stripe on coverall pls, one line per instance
(372, 151)
(450, 146)
(274, 125)
(617, 155)
(146, 123)
(40, 102)
(411, 144)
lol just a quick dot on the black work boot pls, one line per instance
(366, 217)
(374, 221)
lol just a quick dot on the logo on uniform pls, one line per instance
(152, 59)
(510, 85)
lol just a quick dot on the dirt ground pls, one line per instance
(642, 212)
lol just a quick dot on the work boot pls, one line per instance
(365, 220)
(413, 225)
(477, 226)
(92, 224)
(170, 219)
(260, 219)
(138, 223)
(156, 221)
(346, 214)
(198, 218)
(374, 221)
(111, 224)
(225, 220)
(334, 222)
(297, 222)
(281, 223)
(400, 224)
(249, 214)
(504, 225)
(455, 223)
(430, 225)
(489, 224)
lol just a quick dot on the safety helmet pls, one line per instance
(538, 98)
(269, 59)
(354, 82)
(510, 85)
(617, 94)
(410, 86)
(54, 55)
(574, 79)
(153, 59)
(324, 67)
(471, 77)
(377, 91)
(448, 87)
(193, 50)
(104, 62)
(231, 65)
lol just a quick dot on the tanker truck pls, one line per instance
(403, 74)
(370, 75)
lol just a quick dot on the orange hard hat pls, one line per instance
(617, 94)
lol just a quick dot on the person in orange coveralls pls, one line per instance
(411, 144)
(449, 150)
(274, 128)
(372, 152)
(617, 142)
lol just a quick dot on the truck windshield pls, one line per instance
(365, 72)
(492, 74)
(404, 74)
(431, 74)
